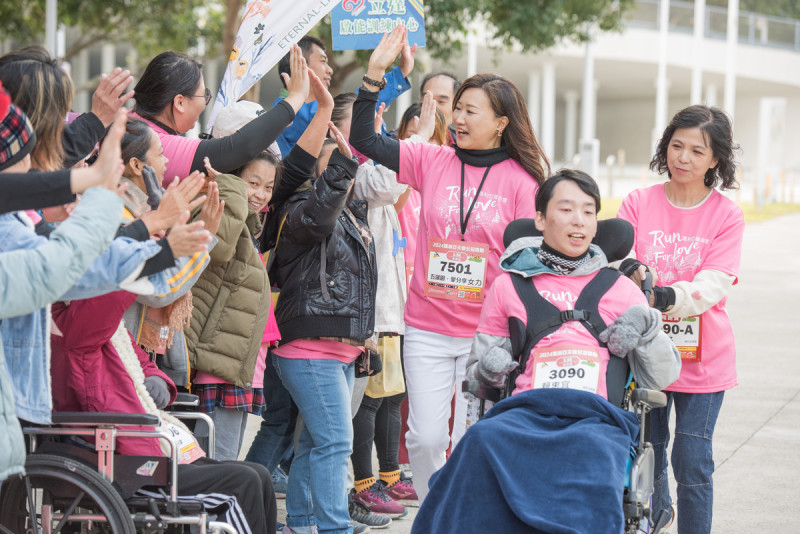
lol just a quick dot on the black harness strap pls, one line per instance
(544, 318)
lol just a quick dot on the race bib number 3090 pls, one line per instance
(456, 270)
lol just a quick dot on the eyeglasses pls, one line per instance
(206, 95)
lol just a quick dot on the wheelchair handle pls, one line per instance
(647, 285)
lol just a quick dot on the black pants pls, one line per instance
(377, 420)
(250, 483)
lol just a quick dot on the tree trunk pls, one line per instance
(232, 19)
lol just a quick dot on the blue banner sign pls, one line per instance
(360, 24)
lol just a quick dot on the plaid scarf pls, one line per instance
(558, 262)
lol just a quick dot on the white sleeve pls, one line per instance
(708, 287)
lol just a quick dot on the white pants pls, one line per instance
(434, 366)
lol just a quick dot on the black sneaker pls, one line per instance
(362, 515)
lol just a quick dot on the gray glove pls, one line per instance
(157, 389)
(636, 326)
(154, 192)
(493, 367)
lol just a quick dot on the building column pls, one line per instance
(697, 60)
(547, 137)
(535, 99)
(401, 105)
(80, 75)
(589, 148)
(571, 129)
(50, 26)
(730, 57)
(711, 95)
(108, 58)
(472, 54)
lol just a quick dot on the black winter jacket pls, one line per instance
(327, 276)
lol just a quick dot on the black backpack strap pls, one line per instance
(543, 318)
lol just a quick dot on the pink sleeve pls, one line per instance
(501, 303)
(629, 211)
(180, 152)
(726, 248)
(526, 200)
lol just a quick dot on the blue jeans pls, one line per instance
(692, 461)
(274, 436)
(317, 490)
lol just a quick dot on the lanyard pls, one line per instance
(461, 218)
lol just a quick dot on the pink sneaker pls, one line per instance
(377, 501)
(402, 491)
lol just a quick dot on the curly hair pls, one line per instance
(718, 134)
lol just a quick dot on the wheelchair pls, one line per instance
(69, 488)
(615, 238)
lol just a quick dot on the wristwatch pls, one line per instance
(375, 83)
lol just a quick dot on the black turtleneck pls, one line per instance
(386, 151)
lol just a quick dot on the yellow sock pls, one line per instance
(391, 478)
(365, 484)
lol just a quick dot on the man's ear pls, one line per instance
(539, 221)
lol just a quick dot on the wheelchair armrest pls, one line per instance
(105, 418)
(186, 399)
(481, 391)
(649, 397)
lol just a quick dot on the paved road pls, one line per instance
(757, 442)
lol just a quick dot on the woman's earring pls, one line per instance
(499, 132)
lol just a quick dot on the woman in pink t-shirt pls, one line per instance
(469, 193)
(171, 95)
(690, 236)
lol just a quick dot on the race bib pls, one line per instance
(685, 334)
(566, 367)
(456, 270)
(188, 448)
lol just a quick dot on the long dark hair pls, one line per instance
(518, 136)
(169, 74)
(40, 87)
(717, 132)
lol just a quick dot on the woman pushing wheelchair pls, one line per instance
(557, 449)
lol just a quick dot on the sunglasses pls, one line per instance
(206, 95)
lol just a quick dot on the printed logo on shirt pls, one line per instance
(486, 211)
(674, 254)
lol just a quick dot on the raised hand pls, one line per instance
(212, 210)
(298, 82)
(407, 59)
(107, 170)
(210, 171)
(379, 118)
(109, 97)
(341, 142)
(177, 199)
(427, 117)
(385, 53)
(186, 239)
(319, 91)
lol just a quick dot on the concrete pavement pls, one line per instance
(757, 441)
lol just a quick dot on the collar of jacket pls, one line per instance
(482, 158)
(521, 257)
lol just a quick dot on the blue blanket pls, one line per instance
(549, 460)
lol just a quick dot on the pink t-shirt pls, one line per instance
(679, 243)
(178, 150)
(319, 349)
(508, 193)
(503, 302)
(409, 225)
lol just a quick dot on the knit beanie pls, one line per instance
(17, 137)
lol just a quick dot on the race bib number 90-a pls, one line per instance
(685, 334)
(456, 270)
(566, 367)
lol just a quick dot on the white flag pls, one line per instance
(267, 31)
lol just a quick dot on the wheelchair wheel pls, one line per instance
(59, 494)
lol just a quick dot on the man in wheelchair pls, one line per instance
(553, 457)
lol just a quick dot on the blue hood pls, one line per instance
(521, 257)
